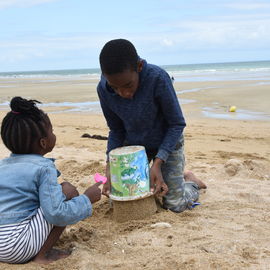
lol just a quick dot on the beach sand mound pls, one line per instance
(247, 168)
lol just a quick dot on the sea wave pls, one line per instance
(255, 67)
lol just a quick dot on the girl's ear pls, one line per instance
(43, 143)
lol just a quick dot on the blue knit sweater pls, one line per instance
(152, 118)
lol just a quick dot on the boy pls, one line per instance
(141, 108)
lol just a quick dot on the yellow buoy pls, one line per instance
(232, 109)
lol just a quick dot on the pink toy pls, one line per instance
(99, 178)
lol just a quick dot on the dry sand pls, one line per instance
(229, 230)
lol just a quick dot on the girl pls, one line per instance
(34, 208)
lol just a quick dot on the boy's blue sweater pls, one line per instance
(152, 118)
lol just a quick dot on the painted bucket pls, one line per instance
(129, 169)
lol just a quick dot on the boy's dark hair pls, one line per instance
(23, 126)
(117, 56)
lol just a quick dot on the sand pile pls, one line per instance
(247, 168)
(124, 211)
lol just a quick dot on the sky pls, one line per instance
(69, 34)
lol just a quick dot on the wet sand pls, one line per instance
(246, 95)
(229, 230)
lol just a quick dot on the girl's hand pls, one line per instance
(157, 183)
(69, 190)
(93, 192)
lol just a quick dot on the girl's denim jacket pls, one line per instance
(29, 182)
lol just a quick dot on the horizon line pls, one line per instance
(163, 65)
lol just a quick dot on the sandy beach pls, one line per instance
(229, 151)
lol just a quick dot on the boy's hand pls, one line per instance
(106, 190)
(93, 192)
(69, 190)
(107, 186)
(157, 183)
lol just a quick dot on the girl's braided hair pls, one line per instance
(23, 126)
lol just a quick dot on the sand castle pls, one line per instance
(130, 181)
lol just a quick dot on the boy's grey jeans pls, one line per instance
(181, 194)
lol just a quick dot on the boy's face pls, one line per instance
(126, 83)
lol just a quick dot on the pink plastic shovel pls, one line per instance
(99, 178)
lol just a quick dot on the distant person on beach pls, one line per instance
(34, 208)
(141, 108)
(172, 79)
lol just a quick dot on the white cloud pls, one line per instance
(51, 47)
(22, 3)
(167, 42)
(218, 32)
(248, 5)
(223, 33)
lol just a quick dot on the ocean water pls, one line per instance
(246, 71)
(52, 73)
(255, 70)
